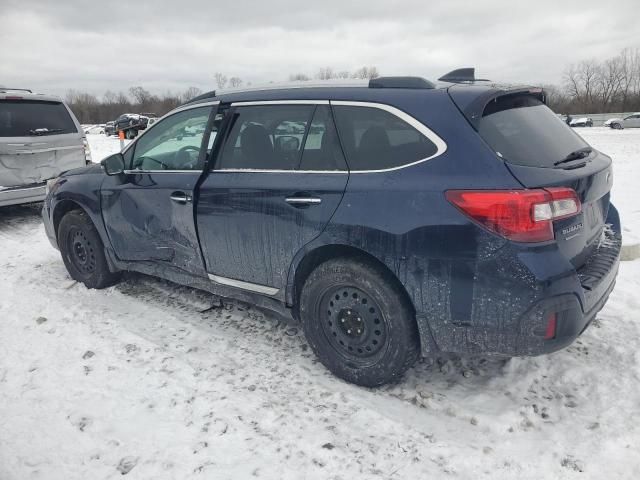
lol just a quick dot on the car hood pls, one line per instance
(93, 169)
(612, 120)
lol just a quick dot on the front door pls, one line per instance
(149, 211)
(277, 180)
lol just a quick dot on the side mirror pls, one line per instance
(113, 165)
(287, 143)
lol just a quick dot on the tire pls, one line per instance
(83, 251)
(616, 126)
(358, 323)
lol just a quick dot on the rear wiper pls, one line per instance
(44, 131)
(575, 155)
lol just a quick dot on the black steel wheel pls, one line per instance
(82, 251)
(359, 322)
(355, 325)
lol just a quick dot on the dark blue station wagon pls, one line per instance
(392, 219)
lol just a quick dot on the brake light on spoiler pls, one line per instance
(519, 215)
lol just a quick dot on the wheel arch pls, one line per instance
(301, 270)
(62, 208)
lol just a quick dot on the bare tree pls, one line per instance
(235, 82)
(325, 73)
(298, 77)
(221, 80)
(190, 93)
(140, 95)
(366, 73)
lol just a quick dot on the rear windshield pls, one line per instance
(523, 130)
(24, 118)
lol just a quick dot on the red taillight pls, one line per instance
(519, 215)
(552, 324)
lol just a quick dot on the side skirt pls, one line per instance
(181, 277)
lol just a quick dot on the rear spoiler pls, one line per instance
(472, 100)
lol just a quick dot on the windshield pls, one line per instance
(524, 131)
(25, 118)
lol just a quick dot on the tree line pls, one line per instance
(590, 86)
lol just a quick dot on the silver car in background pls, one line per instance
(39, 139)
(631, 121)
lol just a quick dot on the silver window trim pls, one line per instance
(172, 112)
(441, 146)
(254, 287)
(280, 102)
(133, 172)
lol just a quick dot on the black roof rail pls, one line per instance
(210, 94)
(400, 82)
(7, 89)
(460, 75)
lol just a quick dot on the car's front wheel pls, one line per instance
(358, 322)
(616, 126)
(83, 251)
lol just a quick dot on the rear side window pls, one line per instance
(266, 137)
(524, 131)
(374, 139)
(24, 118)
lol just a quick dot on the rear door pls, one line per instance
(541, 151)
(149, 212)
(38, 141)
(277, 180)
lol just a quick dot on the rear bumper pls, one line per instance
(515, 293)
(19, 195)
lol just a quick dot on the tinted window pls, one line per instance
(174, 143)
(266, 137)
(524, 131)
(22, 118)
(322, 149)
(374, 139)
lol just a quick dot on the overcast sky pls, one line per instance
(56, 45)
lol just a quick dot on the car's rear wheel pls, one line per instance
(358, 322)
(83, 251)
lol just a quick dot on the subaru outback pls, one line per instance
(392, 219)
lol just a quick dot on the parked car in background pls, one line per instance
(39, 139)
(131, 124)
(373, 214)
(110, 128)
(94, 129)
(582, 122)
(632, 121)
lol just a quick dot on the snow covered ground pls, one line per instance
(137, 379)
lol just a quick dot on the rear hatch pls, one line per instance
(542, 151)
(38, 140)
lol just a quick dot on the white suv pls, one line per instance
(39, 139)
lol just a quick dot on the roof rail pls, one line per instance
(400, 82)
(461, 75)
(333, 83)
(7, 89)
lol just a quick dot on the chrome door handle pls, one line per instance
(180, 197)
(303, 200)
